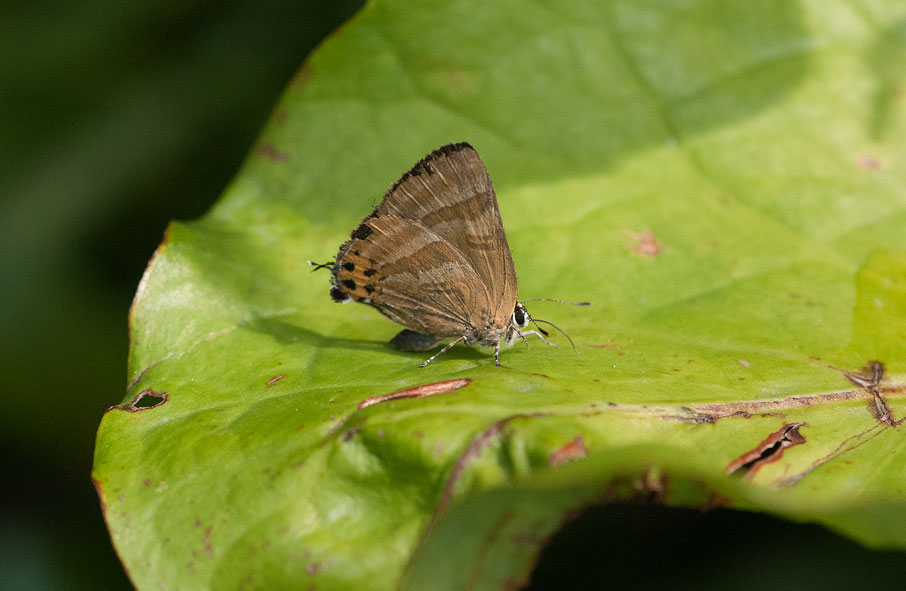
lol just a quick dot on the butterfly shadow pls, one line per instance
(288, 334)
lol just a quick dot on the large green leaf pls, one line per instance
(726, 184)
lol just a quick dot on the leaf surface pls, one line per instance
(726, 185)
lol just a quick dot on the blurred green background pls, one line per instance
(114, 119)
(117, 118)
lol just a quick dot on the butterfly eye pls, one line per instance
(520, 316)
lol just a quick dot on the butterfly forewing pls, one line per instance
(413, 276)
(450, 193)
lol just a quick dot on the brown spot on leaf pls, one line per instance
(275, 379)
(646, 243)
(651, 487)
(867, 162)
(611, 347)
(206, 539)
(269, 151)
(770, 407)
(418, 392)
(870, 378)
(573, 450)
(101, 496)
(769, 450)
(715, 500)
(693, 416)
(302, 76)
(144, 400)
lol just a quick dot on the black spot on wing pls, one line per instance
(338, 295)
(348, 284)
(370, 272)
(349, 266)
(362, 232)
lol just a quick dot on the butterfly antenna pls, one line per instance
(321, 265)
(557, 301)
(560, 330)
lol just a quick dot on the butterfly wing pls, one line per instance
(450, 193)
(413, 276)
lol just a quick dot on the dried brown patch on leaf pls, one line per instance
(275, 379)
(715, 500)
(422, 391)
(870, 378)
(694, 417)
(572, 450)
(771, 407)
(650, 487)
(870, 375)
(270, 151)
(646, 243)
(301, 78)
(101, 496)
(867, 162)
(769, 450)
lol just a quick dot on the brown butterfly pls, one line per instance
(433, 257)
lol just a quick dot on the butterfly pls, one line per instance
(434, 258)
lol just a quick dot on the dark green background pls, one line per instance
(118, 118)
(114, 119)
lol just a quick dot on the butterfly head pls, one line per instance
(518, 321)
(520, 317)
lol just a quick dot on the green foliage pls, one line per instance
(724, 184)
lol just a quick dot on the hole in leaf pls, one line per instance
(145, 400)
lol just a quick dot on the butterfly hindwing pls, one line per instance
(413, 276)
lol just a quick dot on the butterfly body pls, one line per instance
(433, 255)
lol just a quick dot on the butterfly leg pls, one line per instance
(539, 335)
(444, 350)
